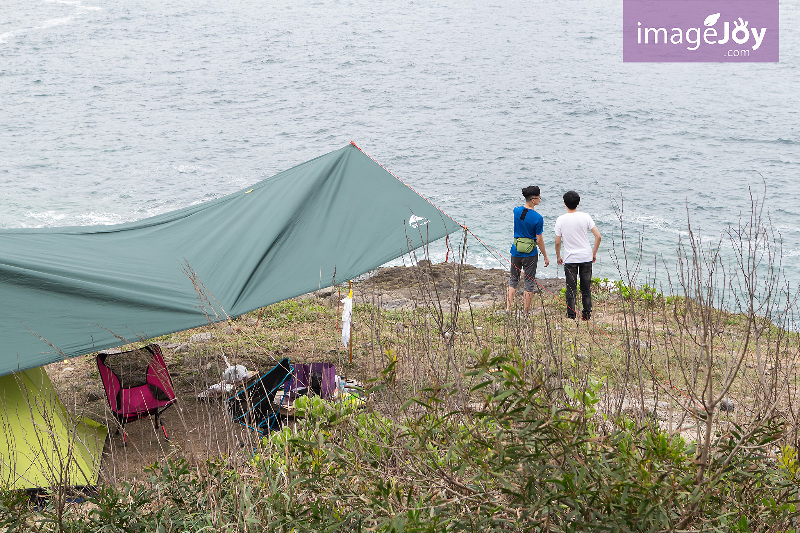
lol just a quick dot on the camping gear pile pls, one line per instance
(232, 377)
(267, 403)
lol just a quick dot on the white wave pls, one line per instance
(13, 33)
(637, 221)
(76, 4)
(51, 23)
(191, 169)
(46, 219)
(98, 219)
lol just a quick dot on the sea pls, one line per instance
(113, 111)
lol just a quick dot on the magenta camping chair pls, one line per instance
(137, 385)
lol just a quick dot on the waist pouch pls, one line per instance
(525, 245)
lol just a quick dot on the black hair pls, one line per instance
(530, 191)
(572, 199)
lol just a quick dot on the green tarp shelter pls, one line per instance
(70, 291)
(41, 443)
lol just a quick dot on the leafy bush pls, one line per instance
(527, 456)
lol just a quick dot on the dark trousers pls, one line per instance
(571, 272)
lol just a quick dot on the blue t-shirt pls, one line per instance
(529, 228)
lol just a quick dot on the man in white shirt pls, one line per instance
(571, 232)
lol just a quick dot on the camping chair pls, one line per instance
(137, 385)
(253, 406)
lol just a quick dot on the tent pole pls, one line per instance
(351, 328)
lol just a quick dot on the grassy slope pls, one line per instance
(640, 359)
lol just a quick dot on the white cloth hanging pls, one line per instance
(347, 315)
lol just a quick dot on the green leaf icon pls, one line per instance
(711, 19)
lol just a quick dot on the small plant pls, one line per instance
(16, 511)
(645, 294)
(587, 395)
(787, 461)
(310, 406)
(597, 284)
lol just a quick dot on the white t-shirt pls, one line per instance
(573, 228)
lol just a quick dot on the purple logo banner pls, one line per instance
(700, 31)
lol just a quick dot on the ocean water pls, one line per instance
(117, 110)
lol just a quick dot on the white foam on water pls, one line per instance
(98, 219)
(46, 219)
(52, 22)
(191, 169)
(7, 35)
(80, 6)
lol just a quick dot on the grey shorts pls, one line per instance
(527, 264)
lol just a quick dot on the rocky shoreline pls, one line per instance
(405, 287)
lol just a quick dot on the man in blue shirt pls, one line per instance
(528, 225)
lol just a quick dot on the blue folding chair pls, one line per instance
(253, 406)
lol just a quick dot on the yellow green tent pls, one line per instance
(41, 443)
